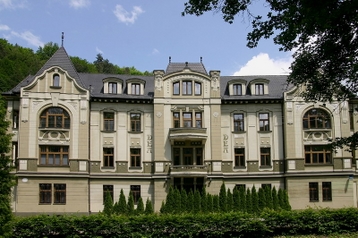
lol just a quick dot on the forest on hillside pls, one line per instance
(17, 62)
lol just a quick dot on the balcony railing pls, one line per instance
(188, 168)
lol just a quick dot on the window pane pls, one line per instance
(176, 90)
(197, 88)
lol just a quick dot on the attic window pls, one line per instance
(112, 88)
(237, 89)
(187, 87)
(259, 89)
(56, 80)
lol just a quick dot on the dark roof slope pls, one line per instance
(177, 67)
(276, 87)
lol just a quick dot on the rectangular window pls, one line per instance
(199, 156)
(135, 122)
(187, 119)
(59, 193)
(188, 156)
(326, 191)
(187, 87)
(237, 89)
(108, 157)
(176, 119)
(112, 88)
(259, 89)
(135, 88)
(198, 120)
(313, 192)
(240, 157)
(15, 119)
(135, 190)
(238, 122)
(264, 122)
(176, 155)
(56, 80)
(107, 190)
(265, 156)
(197, 88)
(54, 155)
(176, 88)
(45, 193)
(317, 154)
(108, 121)
(135, 157)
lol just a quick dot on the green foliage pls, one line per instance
(190, 202)
(229, 201)
(254, 201)
(248, 201)
(236, 200)
(183, 200)
(242, 200)
(275, 203)
(122, 204)
(262, 199)
(268, 196)
(269, 223)
(7, 180)
(216, 203)
(197, 202)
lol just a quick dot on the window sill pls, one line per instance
(108, 131)
(265, 167)
(56, 165)
(45, 203)
(59, 204)
(55, 87)
(107, 167)
(240, 167)
(238, 132)
(319, 164)
(264, 132)
(135, 132)
(314, 200)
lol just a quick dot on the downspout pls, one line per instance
(284, 143)
(89, 152)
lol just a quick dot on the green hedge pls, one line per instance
(235, 224)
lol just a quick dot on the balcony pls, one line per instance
(187, 133)
(188, 169)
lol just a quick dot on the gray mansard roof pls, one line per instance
(277, 84)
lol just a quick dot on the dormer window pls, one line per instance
(237, 87)
(135, 86)
(56, 80)
(112, 86)
(259, 89)
(259, 86)
(187, 87)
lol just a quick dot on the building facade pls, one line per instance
(77, 136)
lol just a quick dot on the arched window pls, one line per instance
(316, 119)
(56, 80)
(55, 117)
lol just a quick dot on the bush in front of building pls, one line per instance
(268, 223)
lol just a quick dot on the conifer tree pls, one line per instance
(236, 200)
(275, 204)
(108, 204)
(268, 196)
(242, 199)
(222, 198)
(254, 200)
(177, 201)
(116, 208)
(184, 201)
(130, 205)
(163, 208)
(122, 204)
(281, 201)
(262, 199)
(248, 201)
(229, 201)
(190, 203)
(286, 202)
(170, 201)
(197, 202)
(210, 203)
(204, 201)
(148, 207)
(140, 207)
(216, 203)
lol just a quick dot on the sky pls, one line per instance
(141, 33)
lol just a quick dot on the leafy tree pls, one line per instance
(222, 198)
(322, 34)
(148, 207)
(82, 65)
(108, 204)
(45, 53)
(7, 180)
(140, 206)
(103, 65)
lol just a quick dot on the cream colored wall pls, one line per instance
(27, 196)
(342, 192)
